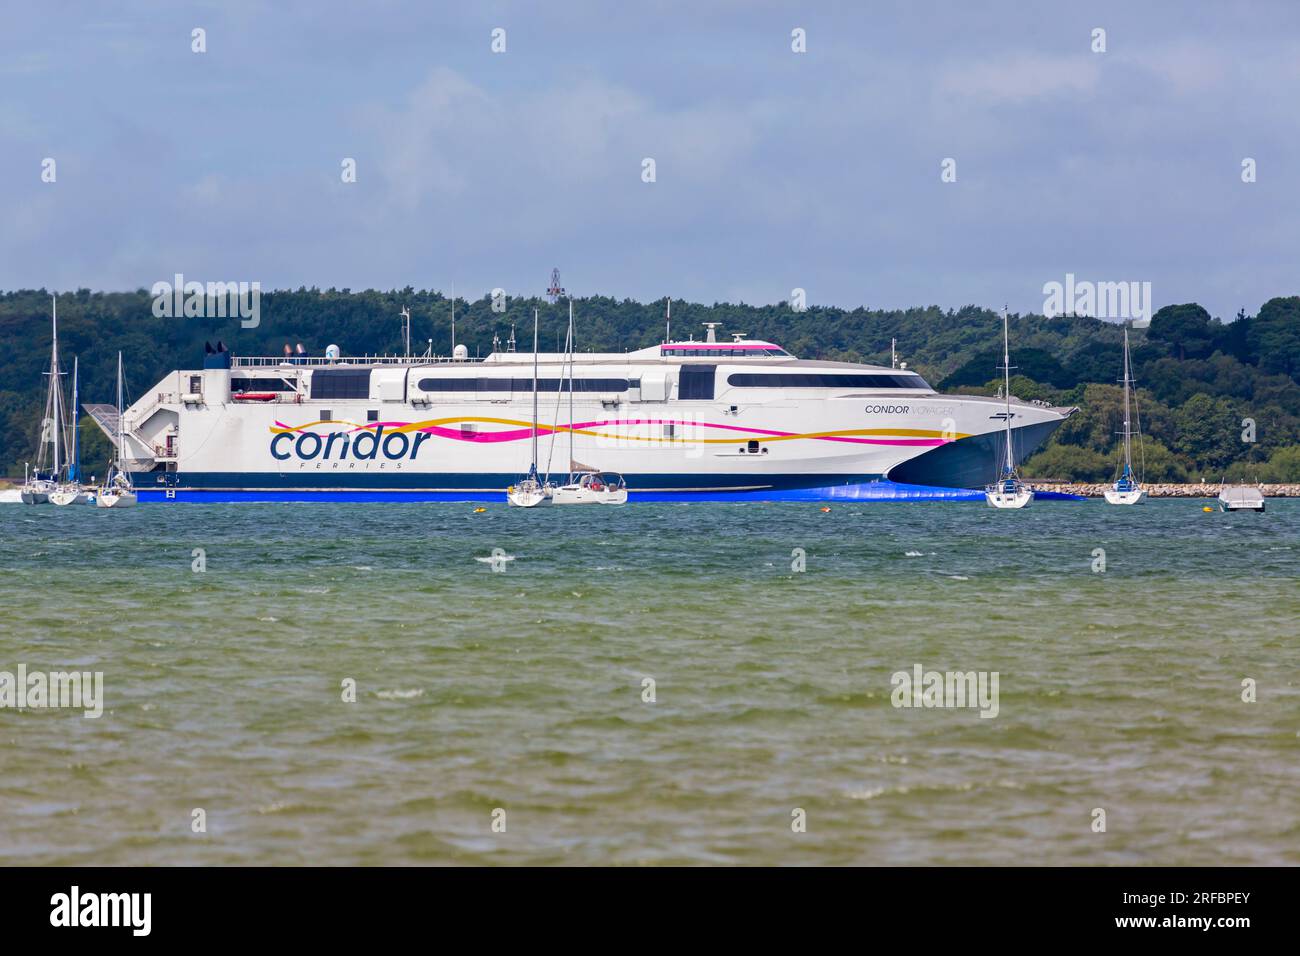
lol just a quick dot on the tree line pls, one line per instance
(1205, 386)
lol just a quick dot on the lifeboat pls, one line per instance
(254, 396)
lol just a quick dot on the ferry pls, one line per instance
(683, 419)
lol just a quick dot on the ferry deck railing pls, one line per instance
(318, 361)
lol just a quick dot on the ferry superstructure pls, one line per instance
(694, 417)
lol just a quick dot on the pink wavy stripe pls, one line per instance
(520, 433)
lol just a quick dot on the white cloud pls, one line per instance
(1021, 78)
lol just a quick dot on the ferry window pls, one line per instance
(327, 416)
(196, 384)
(823, 380)
(449, 385)
(522, 386)
(340, 383)
(633, 383)
(372, 415)
(670, 430)
(696, 382)
(244, 384)
(753, 447)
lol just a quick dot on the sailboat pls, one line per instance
(1009, 491)
(117, 491)
(45, 477)
(530, 491)
(1126, 490)
(71, 492)
(586, 485)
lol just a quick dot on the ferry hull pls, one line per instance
(971, 462)
(346, 430)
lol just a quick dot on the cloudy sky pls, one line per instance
(774, 169)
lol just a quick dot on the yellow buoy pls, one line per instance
(1207, 508)
(824, 510)
(479, 511)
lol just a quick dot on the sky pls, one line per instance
(773, 169)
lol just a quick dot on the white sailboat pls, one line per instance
(1126, 490)
(46, 477)
(117, 491)
(1009, 491)
(530, 491)
(586, 485)
(71, 491)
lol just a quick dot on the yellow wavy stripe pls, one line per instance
(737, 437)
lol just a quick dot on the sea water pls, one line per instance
(653, 684)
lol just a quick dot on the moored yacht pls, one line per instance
(49, 476)
(117, 491)
(71, 491)
(586, 485)
(1009, 491)
(1127, 490)
(530, 491)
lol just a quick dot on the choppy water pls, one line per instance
(522, 689)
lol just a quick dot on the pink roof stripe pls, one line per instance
(720, 345)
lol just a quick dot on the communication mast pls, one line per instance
(556, 290)
(406, 332)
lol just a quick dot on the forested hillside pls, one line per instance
(1198, 378)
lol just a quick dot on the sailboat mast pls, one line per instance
(74, 472)
(54, 385)
(571, 348)
(1128, 430)
(1006, 383)
(119, 411)
(534, 391)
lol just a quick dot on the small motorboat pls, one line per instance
(1241, 498)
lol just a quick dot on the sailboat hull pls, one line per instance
(518, 498)
(1020, 498)
(573, 495)
(529, 493)
(68, 496)
(112, 499)
(35, 498)
(1134, 497)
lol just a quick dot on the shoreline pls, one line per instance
(1161, 490)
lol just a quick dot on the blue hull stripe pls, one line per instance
(206, 489)
(440, 483)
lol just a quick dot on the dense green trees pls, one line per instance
(1199, 378)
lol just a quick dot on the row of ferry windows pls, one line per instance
(326, 387)
(737, 380)
(823, 380)
(724, 352)
(519, 385)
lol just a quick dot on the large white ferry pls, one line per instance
(690, 418)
